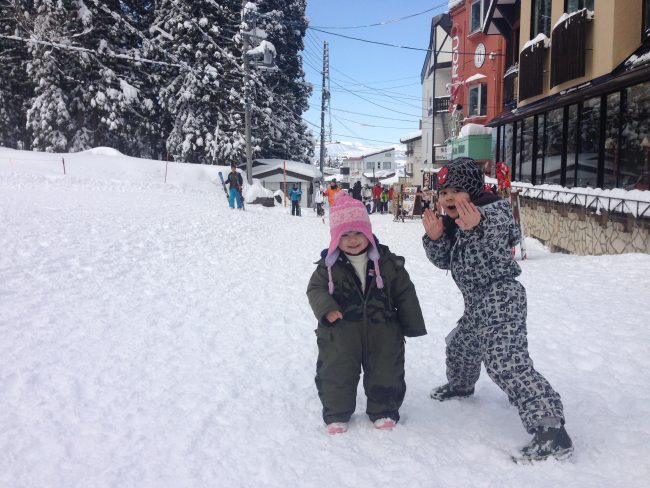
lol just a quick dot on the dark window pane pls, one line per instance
(507, 145)
(541, 18)
(612, 127)
(572, 146)
(635, 144)
(553, 147)
(587, 170)
(574, 5)
(515, 163)
(526, 163)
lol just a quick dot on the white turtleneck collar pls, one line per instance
(360, 265)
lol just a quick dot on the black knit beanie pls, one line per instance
(463, 174)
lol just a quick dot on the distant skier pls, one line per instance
(295, 194)
(363, 314)
(474, 240)
(236, 184)
(319, 200)
(331, 192)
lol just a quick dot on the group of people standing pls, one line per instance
(375, 198)
(366, 304)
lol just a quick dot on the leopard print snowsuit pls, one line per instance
(492, 329)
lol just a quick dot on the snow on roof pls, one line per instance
(477, 76)
(474, 130)
(568, 17)
(293, 166)
(411, 136)
(539, 38)
(378, 152)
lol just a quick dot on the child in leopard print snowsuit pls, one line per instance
(474, 240)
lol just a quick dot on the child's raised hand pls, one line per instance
(333, 315)
(432, 224)
(468, 215)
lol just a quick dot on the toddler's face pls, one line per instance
(449, 197)
(353, 243)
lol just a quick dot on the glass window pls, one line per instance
(526, 161)
(552, 172)
(587, 168)
(540, 18)
(612, 143)
(540, 135)
(477, 100)
(476, 15)
(507, 145)
(646, 19)
(571, 145)
(517, 158)
(635, 140)
(575, 5)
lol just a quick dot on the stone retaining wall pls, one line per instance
(576, 230)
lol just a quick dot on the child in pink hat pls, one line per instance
(365, 304)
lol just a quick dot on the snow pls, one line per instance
(634, 202)
(293, 166)
(539, 38)
(153, 337)
(410, 136)
(565, 17)
(475, 77)
(474, 130)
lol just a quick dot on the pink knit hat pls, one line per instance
(349, 215)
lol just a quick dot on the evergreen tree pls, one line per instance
(48, 114)
(14, 85)
(196, 34)
(280, 128)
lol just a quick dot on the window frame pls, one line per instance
(581, 5)
(481, 5)
(645, 22)
(482, 92)
(533, 28)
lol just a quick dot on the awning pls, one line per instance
(476, 77)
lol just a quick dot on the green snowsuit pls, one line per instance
(370, 335)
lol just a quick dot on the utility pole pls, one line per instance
(325, 97)
(247, 103)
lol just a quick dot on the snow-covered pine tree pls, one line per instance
(116, 100)
(278, 123)
(51, 69)
(198, 35)
(14, 86)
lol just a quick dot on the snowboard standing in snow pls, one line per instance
(223, 183)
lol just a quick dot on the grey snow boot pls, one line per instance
(546, 442)
(447, 392)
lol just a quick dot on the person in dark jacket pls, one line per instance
(236, 185)
(474, 240)
(356, 191)
(365, 304)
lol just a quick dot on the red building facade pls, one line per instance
(476, 91)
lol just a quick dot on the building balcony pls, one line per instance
(568, 47)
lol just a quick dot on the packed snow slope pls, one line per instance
(152, 337)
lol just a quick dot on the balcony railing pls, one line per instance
(594, 202)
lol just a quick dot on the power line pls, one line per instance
(386, 22)
(395, 45)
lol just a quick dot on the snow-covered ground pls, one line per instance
(152, 337)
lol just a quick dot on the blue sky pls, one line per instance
(391, 76)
